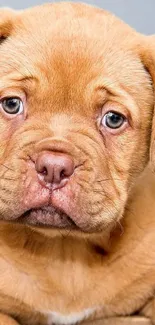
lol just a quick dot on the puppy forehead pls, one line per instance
(66, 46)
(69, 31)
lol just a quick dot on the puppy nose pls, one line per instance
(54, 168)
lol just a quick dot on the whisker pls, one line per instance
(6, 190)
(3, 200)
(121, 227)
(109, 179)
(7, 167)
(9, 179)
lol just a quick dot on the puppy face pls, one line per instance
(76, 106)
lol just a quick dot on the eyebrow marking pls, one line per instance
(25, 78)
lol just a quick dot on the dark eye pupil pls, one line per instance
(114, 120)
(11, 105)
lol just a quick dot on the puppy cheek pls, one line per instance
(8, 128)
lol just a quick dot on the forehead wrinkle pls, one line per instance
(15, 69)
(17, 82)
(16, 61)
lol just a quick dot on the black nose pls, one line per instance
(54, 167)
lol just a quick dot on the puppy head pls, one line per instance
(76, 109)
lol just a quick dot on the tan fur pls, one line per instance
(68, 62)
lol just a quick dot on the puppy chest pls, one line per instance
(69, 319)
(44, 296)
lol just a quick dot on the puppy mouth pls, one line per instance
(46, 217)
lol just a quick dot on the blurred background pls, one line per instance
(140, 14)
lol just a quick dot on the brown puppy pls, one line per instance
(76, 110)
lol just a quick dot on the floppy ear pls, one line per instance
(147, 55)
(6, 22)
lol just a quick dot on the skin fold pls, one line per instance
(79, 244)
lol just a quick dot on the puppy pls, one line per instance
(76, 114)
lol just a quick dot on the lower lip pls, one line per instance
(47, 217)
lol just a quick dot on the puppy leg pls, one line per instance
(7, 320)
(149, 310)
(121, 321)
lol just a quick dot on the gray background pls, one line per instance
(140, 14)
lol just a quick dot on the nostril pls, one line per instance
(62, 174)
(44, 171)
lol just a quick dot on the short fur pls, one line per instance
(70, 63)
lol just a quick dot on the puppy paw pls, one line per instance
(149, 310)
(7, 320)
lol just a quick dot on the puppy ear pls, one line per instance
(147, 55)
(6, 22)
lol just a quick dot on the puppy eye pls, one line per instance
(113, 120)
(12, 105)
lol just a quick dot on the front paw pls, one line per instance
(7, 320)
(149, 310)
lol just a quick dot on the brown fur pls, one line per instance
(70, 63)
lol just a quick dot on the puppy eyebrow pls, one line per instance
(25, 78)
(19, 80)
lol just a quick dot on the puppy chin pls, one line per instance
(67, 228)
(93, 236)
